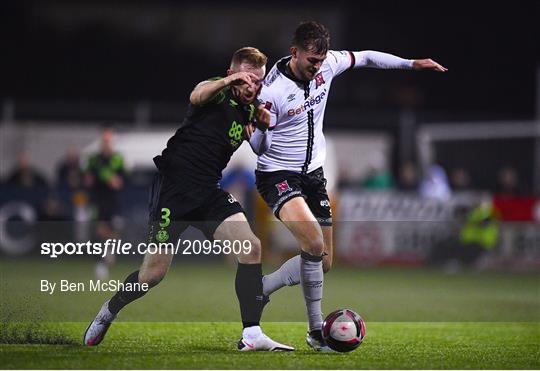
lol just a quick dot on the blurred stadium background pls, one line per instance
(436, 173)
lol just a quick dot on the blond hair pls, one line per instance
(250, 55)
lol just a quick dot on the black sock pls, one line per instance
(123, 298)
(249, 291)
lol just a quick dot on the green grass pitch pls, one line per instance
(416, 319)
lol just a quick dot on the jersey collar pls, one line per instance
(236, 104)
(284, 67)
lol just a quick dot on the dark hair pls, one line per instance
(248, 54)
(312, 36)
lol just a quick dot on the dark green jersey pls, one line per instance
(203, 145)
(103, 168)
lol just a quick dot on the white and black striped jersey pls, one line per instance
(296, 141)
(298, 109)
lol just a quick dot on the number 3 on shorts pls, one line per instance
(165, 213)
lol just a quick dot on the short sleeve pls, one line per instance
(340, 61)
(220, 97)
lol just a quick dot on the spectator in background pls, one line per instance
(52, 209)
(408, 177)
(477, 233)
(240, 182)
(435, 184)
(377, 177)
(25, 175)
(69, 175)
(460, 180)
(70, 185)
(105, 178)
(508, 182)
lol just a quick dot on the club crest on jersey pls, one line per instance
(283, 187)
(319, 80)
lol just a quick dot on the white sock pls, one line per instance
(252, 333)
(312, 279)
(286, 275)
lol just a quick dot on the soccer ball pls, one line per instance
(343, 330)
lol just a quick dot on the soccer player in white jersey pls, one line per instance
(292, 152)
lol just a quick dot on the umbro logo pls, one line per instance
(291, 97)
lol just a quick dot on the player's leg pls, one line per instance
(319, 204)
(328, 248)
(102, 267)
(288, 274)
(283, 192)
(151, 272)
(314, 188)
(104, 232)
(298, 218)
(248, 283)
(153, 269)
(276, 188)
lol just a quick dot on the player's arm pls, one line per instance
(116, 180)
(374, 59)
(259, 135)
(207, 90)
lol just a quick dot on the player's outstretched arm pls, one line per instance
(428, 64)
(205, 91)
(375, 59)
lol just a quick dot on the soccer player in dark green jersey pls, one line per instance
(104, 177)
(186, 192)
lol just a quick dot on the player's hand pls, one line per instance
(263, 118)
(428, 64)
(248, 131)
(241, 78)
(116, 182)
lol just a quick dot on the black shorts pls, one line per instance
(107, 205)
(173, 208)
(106, 212)
(278, 187)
